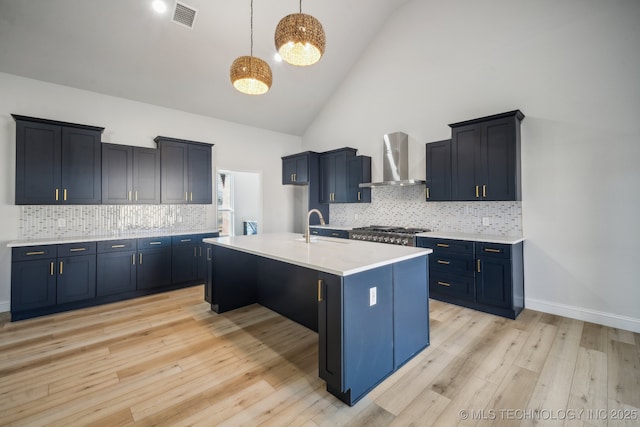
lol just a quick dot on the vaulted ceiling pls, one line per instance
(125, 49)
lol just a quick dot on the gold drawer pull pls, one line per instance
(442, 245)
(443, 262)
(51, 269)
(319, 290)
(444, 284)
(117, 246)
(36, 253)
(335, 234)
(496, 251)
(478, 264)
(77, 249)
(185, 240)
(155, 243)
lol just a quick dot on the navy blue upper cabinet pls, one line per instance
(359, 171)
(57, 162)
(438, 161)
(334, 175)
(485, 158)
(185, 171)
(130, 175)
(295, 169)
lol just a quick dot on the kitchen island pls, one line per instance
(368, 302)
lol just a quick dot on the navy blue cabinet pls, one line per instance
(478, 275)
(438, 162)
(485, 158)
(334, 175)
(330, 232)
(358, 171)
(189, 258)
(295, 168)
(185, 171)
(57, 162)
(116, 272)
(153, 269)
(130, 175)
(44, 276)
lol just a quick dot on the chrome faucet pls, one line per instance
(308, 235)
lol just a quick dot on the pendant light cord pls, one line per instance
(252, 26)
(300, 6)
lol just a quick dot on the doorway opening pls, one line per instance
(239, 202)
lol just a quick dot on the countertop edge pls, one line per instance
(63, 240)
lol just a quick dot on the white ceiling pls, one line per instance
(123, 48)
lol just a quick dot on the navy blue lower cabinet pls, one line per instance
(76, 278)
(154, 268)
(33, 284)
(189, 258)
(233, 279)
(116, 271)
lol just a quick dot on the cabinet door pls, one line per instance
(465, 163)
(146, 175)
(76, 278)
(493, 281)
(116, 272)
(174, 177)
(33, 284)
(81, 170)
(288, 170)
(200, 178)
(499, 160)
(438, 161)
(358, 171)
(330, 330)
(154, 268)
(117, 174)
(327, 181)
(184, 263)
(37, 163)
(302, 169)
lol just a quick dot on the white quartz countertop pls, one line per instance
(487, 238)
(341, 257)
(141, 235)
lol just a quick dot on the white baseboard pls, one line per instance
(5, 306)
(585, 314)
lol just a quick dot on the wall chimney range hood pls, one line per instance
(395, 162)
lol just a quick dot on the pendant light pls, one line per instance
(249, 74)
(300, 39)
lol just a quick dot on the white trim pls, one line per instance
(585, 314)
(5, 306)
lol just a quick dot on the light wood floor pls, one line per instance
(168, 360)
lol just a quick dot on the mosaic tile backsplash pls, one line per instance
(406, 206)
(46, 221)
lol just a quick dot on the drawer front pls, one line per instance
(452, 264)
(187, 239)
(26, 253)
(341, 234)
(443, 246)
(494, 249)
(117, 246)
(455, 286)
(154, 242)
(71, 249)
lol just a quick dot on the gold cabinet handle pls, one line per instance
(442, 245)
(117, 246)
(136, 195)
(195, 253)
(64, 195)
(36, 253)
(57, 194)
(155, 243)
(484, 190)
(495, 251)
(478, 265)
(61, 265)
(428, 196)
(191, 196)
(319, 290)
(140, 259)
(51, 269)
(477, 191)
(185, 240)
(133, 259)
(208, 254)
(129, 195)
(443, 262)
(186, 196)
(77, 249)
(295, 177)
(200, 251)
(444, 284)
(359, 197)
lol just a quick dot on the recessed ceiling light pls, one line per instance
(159, 6)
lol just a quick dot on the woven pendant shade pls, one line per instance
(300, 39)
(251, 75)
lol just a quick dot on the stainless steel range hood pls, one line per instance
(395, 162)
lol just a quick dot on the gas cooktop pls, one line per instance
(387, 234)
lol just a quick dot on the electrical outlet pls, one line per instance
(373, 296)
(485, 221)
(62, 222)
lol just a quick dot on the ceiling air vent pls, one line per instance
(184, 15)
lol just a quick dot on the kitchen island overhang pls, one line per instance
(367, 301)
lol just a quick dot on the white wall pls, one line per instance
(237, 147)
(572, 67)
